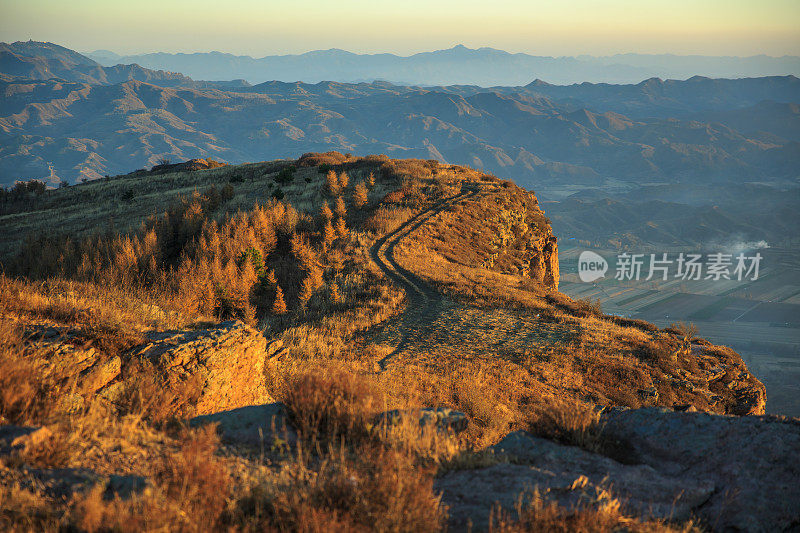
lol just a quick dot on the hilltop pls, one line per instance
(363, 334)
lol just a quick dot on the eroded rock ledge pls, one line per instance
(228, 359)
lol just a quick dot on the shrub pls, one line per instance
(568, 421)
(372, 490)
(190, 493)
(286, 175)
(325, 407)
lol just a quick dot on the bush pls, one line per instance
(286, 175)
(327, 407)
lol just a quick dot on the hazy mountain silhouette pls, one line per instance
(457, 65)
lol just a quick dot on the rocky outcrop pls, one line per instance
(753, 461)
(228, 360)
(57, 483)
(187, 166)
(544, 264)
(732, 473)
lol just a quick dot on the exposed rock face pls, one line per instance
(544, 264)
(733, 473)
(227, 358)
(567, 475)
(753, 461)
(187, 166)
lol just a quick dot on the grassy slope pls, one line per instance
(479, 337)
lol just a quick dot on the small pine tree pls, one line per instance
(279, 305)
(344, 180)
(371, 179)
(306, 292)
(341, 228)
(340, 209)
(326, 212)
(328, 233)
(332, 183)
(337, 262)
(360, 196)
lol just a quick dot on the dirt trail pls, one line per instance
(423, 301)
(434, 328)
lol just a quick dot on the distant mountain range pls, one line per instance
(63, 110)
(457, 65)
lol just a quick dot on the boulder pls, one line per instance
(228, 359)
(255, 425)
(753, 461)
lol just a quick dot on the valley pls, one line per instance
(759, 319)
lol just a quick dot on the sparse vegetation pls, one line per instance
(456, 331)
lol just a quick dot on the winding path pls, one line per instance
(423, 302)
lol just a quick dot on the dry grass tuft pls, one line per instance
(600, 515)
(326, 407)
(190, 493)
(371, 490)
(568, 421)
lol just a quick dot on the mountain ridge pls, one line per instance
(421, 67)
(537, 133)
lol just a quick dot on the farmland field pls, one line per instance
(758, 318)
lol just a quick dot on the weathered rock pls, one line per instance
(101, 374)
(442, 418)
(227, 358)
(543, 265)
(754, 462)
(733, 473)
(567, 475)
(255, 425)
(187, 166)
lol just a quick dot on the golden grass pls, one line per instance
(491, 343)
(600, 515)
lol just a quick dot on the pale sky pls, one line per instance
(267, 27)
